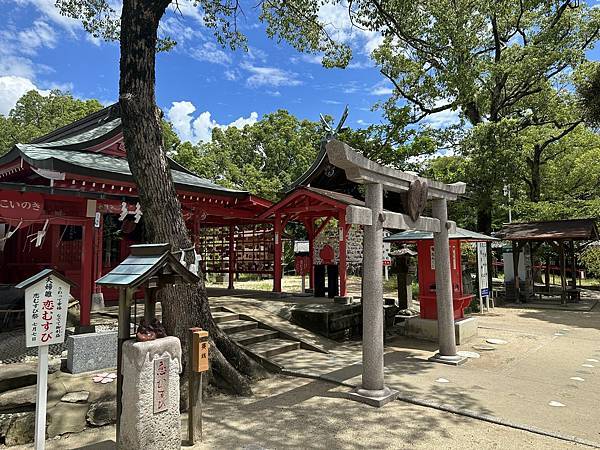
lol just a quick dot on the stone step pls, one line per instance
(273, 347)
(253, 336)
(234, 326)
(224, 316)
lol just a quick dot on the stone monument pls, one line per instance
(150, 418)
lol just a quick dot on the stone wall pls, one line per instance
(354, 246)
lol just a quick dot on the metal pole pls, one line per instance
(41, 398)
(372, 347)
(443, 287)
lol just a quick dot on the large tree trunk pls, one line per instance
(183, 306)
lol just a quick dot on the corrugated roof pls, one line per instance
(461, 233)
(554, 230)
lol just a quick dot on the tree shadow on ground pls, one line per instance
(575, 319)
(104, 445)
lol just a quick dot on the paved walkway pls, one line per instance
(546, 374)
(292, 413)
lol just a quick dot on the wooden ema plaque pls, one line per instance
(200, 346)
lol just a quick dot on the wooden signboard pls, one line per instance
(46, 305)
(21, 205)
(200, 345)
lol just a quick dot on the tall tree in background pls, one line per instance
(489, 61)
(35, 115)
(266, 157)
(588, 89)
(262, 158)
(137, 30)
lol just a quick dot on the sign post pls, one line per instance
(46, 304)
(198, 340)
(386, 258)
(482, 275)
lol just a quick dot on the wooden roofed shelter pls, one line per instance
(149, 267)
(562, 235)
(68, 201)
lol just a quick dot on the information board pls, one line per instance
(46, 305)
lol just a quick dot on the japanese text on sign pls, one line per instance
(200, 343)
(46, 311)
(17, 205)
(161, 384)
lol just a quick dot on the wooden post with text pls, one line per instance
(198, 364)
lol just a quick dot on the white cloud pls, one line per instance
(256, 54)
(39, 35)
(12, 88)
(270, 76)
(211, 53)
(232, 74)
(17, 66)
(339, 26)
(382, 88)
(200, 128)
(443, 119)
(51, 13)
(178, 30)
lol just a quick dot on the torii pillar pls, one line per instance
(443, 288)
(376, 179)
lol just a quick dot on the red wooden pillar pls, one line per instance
(278, 253)
(231, 256)
(98, 251)
(87, 270)
(343, 236)
(310, 230)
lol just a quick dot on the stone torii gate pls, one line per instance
(372, 216)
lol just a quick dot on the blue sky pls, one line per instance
(199, 85)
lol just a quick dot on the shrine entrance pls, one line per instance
(316, 209)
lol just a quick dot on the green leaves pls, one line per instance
(35, 115)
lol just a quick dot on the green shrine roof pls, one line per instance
(98, 164)
(67, 149)
(461, 234)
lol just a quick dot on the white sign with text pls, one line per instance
(46, 305)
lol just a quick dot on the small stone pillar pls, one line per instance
(150, 419)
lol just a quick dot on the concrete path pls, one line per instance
(546, 374)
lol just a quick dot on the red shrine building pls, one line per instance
(68, 202)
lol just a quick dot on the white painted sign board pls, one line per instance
(46, 307)
(482, 269)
